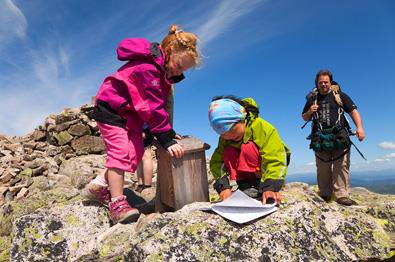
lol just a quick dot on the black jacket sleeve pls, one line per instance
(165, 139)
(222, 184)
(274, 185)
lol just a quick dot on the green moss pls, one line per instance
(114, 243)
(104, 251)
(382, 238)
(203, 253)
(27, 242)
(26, 172)
(56, 238)
(382, 222)
(6, 225)
(31, 232)
(290, 225)
(5, 245)
(63, 138)
(154, 257)
(74, 246)
(42, 200)
(72, 220)
(222, 241)
(194, 229)
(214, 198)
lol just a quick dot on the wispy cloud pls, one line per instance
(223, 16)
(381, 160)
(387, 145)
(42, 82)
(12, 23)
(389, 156)
(53, 73)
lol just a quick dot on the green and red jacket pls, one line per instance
(274, 153)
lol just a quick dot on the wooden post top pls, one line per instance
(193, 144)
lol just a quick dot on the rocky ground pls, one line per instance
(43, 218)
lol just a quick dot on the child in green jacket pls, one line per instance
(250, 152)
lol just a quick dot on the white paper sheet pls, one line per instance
(241, 208)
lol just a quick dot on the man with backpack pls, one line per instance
(325, 106)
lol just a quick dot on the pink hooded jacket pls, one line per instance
(137, 92)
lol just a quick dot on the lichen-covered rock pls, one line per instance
(88, 145)
(82, 169)
(62, 233)
(63, 138)
(305, 228)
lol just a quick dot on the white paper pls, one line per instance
(241, 208)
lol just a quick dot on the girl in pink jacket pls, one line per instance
(136, 94)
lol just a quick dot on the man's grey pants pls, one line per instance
(333, 176)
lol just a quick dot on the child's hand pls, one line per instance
(273, 195)
(225, 194)
(176, 150)
(177, 136)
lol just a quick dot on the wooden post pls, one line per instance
(169, 107)
(182, 181)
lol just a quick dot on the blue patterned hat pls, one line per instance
(224, 113)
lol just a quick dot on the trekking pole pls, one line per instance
(305, 123)
(358, 151)
(352, 133)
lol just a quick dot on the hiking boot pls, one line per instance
(326, 198)
(345, 201)
(122, 212)
(97, 193)
(140, 188)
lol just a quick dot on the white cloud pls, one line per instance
(45, 86)
(392, 155)
(12, 22)
(223, 17)
(53, 74)
(381, 160)
(387, 145)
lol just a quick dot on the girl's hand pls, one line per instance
(225, 194)
(176, 150)
(177, 136)
(273, 195)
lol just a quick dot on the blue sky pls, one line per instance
(55, 54)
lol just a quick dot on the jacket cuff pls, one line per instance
(165, 139)
(274, 185)
(222, 184)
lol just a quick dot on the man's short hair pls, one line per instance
(323, 72)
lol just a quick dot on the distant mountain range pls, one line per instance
(382, 182)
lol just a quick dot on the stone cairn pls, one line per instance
(70, 134)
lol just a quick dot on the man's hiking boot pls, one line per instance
(345, 201)
(326, 198)
(122, 212)
(97, 193)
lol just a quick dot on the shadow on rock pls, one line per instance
(135, 200)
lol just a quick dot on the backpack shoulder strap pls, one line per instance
(336, 92)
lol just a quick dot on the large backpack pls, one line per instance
(337, 137)
(335, 89)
